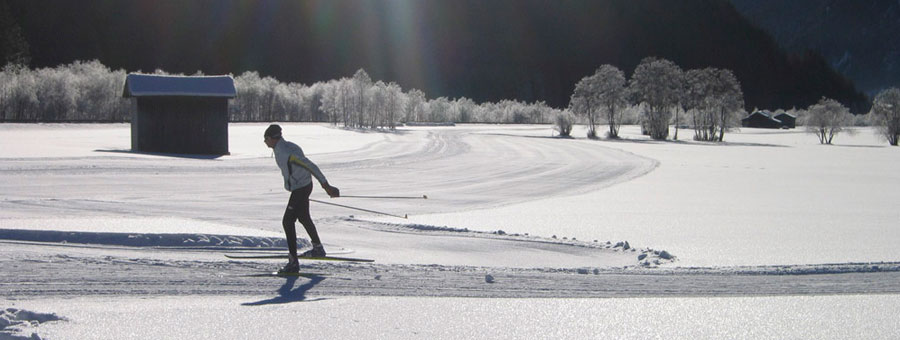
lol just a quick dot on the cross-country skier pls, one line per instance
(297, 171)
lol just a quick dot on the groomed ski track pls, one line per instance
(30, 271)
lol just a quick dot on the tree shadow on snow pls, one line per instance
(287, 293)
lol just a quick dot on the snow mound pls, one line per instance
(139, 232)
(15, 322)
(146, 225)
(645, 257)
(145, 240)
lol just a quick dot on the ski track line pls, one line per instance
(35, 275)
(486, 170)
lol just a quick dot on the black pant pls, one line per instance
(298, 209)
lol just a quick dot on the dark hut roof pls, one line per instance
(144, 85)
(766, 115)
(785, 114)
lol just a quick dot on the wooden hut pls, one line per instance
(761, 119)
(176, 114)
(788, 121)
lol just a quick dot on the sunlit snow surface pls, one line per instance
(765, 197)
(218, 317)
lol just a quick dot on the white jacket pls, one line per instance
(295, 167)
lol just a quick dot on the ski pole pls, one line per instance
(360, 209)
(387, 197)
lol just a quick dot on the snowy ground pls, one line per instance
(774, 236)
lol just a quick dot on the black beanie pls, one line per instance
(273, 131)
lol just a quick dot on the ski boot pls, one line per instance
(292, 267)
(316, 251)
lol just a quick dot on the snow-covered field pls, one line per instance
(774, 236)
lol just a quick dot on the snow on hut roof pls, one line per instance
(763, 113)
(144, 85)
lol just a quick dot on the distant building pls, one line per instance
(761, 119)
(175, 114)
(788, 121)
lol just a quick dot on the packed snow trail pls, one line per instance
(30, 270)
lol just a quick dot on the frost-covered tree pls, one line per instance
(361, 84)
(612, 93)
(603, 91)
(658, 83)
(255, 100)
(585, 102)
(414, 108)
(826, 118)
(715, 100)
(80, 91)
(465, 109)
(563, 123)
(727, 99)
(16, 92)
(439, 110)
(329, 101)
(395, 99)
(886, 114)
(696, 87)
(377, 99)
(724, 100)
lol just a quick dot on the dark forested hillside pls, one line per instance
(483, 50)
(860, 39)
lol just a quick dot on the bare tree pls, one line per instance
(612, 94)
(584, 101)
(715, 98)
(886, 114)
(826, 118)
(726, 99)
(696, 88)
(657, 82)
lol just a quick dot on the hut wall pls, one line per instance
(177, 124)
(758, 121)
(787, 121)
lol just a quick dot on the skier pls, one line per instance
(297, 171)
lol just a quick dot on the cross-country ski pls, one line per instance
(303, 258)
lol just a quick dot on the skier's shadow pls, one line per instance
(287, 293)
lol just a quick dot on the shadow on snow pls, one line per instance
(287, 293)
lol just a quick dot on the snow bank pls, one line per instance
(148, 225)
(15, 323)
(645, 257)
(142, 239)
(139, 232)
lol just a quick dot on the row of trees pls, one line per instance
(828, 117)
(658, 95)
(711, 97)
(89, 91)
(81, 91)
(709, 100)
(360, 102)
